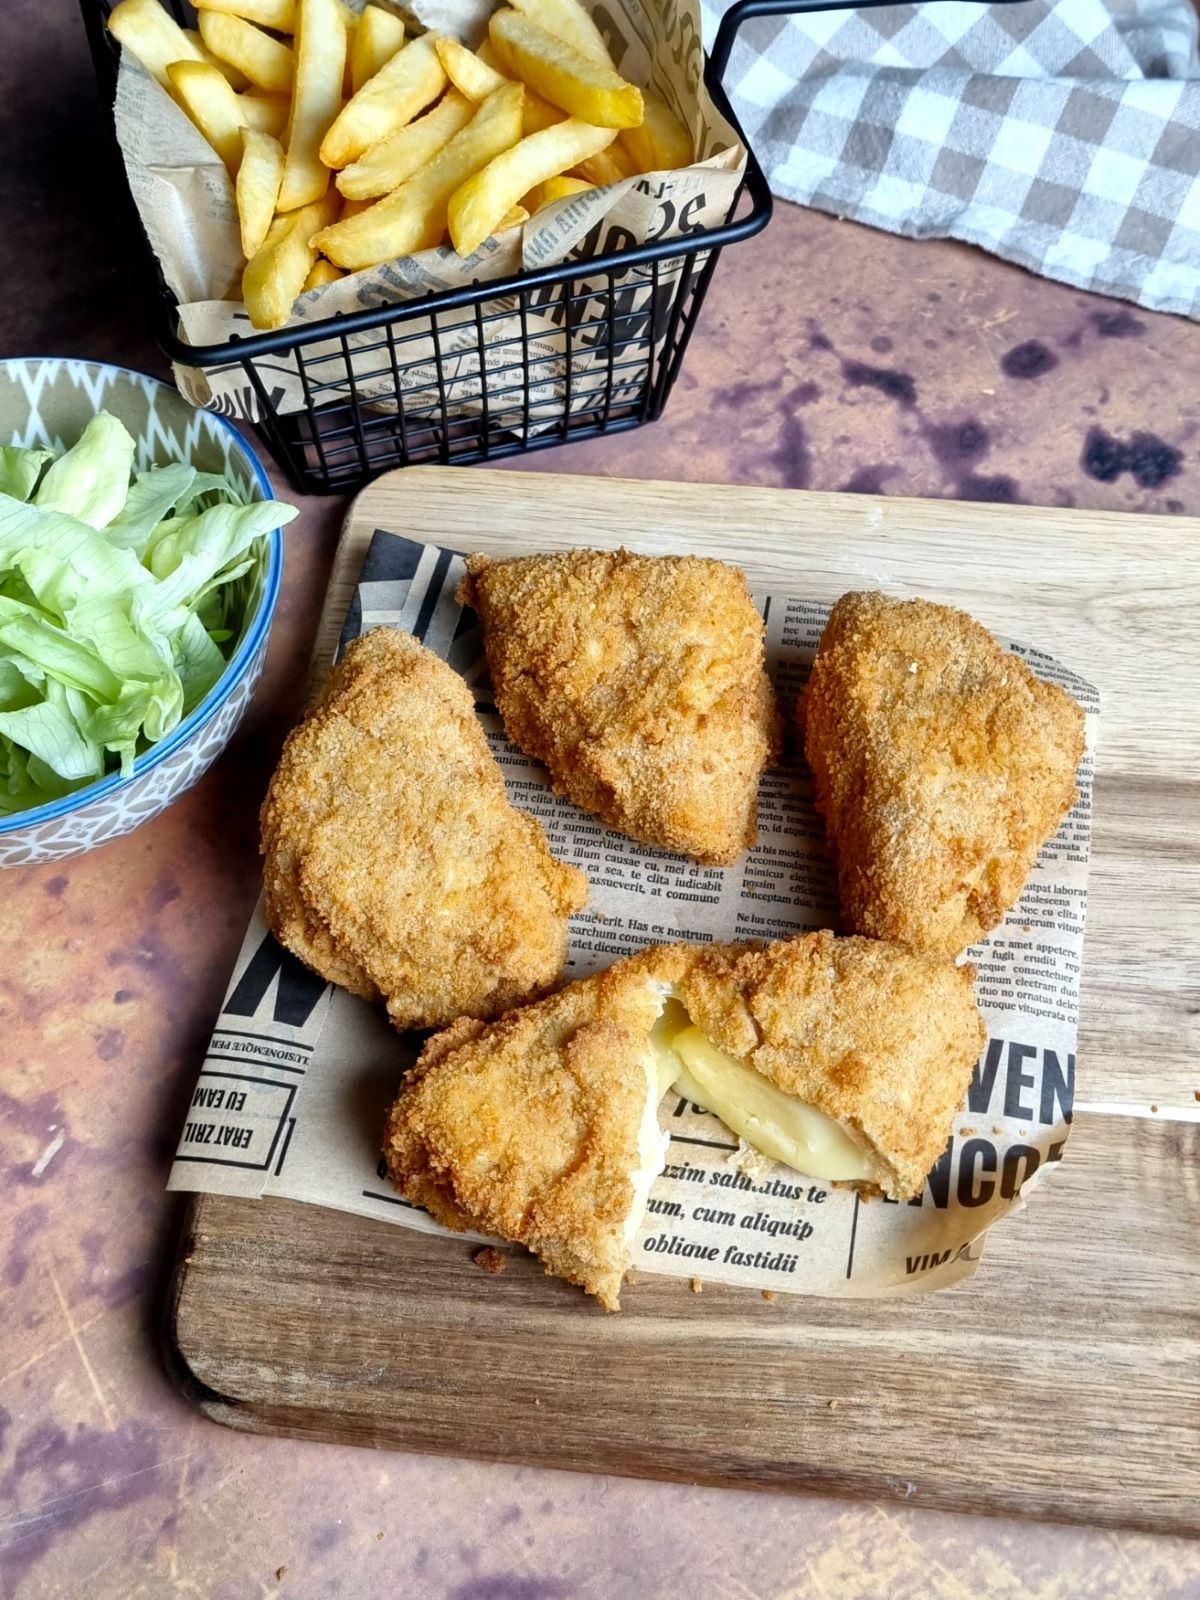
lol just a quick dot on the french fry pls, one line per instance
(568, 20)
(316, 98)
(277, 14)
(152, 36)
(512, 219)
(560, 189)
(274, 278)
(469, 75)
(610, 166)
(237, 80)
(265, 62)
(414, 216)
(402, 87)
(323, 272)
(266, 113)
(476, 208)
(391, 162)
(476, 78)
(351, 208)
(277, 229)
(377, 37)
(662, 143)
(257, 187)
(584, 88)
(212, 105)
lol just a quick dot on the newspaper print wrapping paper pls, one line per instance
(185, 199)
(292, 1096)
(1063, 135)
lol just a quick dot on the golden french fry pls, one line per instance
(584, 88)
(267, 113)
(377, 37)
(212, 105)
(323, 272)
(662, 143)
(568, 20)
(265, 61)
(391, 162)
(476, 208)
(560, 189)
(610, 166)
(402, 87)
(237, 80)
(414, 216)
(512, 219)
(476, 78)
(316, 99)
(274, 278)
(469, 75)
(257, 187)
(277, 229)
(277, 14)
(153, 36)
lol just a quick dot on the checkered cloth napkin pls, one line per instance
(1065, 137)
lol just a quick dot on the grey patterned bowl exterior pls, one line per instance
(49, 402)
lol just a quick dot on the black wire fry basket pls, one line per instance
(591, 346)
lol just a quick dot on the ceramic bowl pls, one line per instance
(49, 402)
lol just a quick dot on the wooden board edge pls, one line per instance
(413, 1435)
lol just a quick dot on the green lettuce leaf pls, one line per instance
(91, 481)
(120, 603)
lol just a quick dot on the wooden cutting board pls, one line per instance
(1063, 1381)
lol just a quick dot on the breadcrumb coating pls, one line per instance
(395, 865)
(528, 1128)
(941, 765)
(880, 1039)
(639, 682)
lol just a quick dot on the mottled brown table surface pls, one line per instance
(828, 357)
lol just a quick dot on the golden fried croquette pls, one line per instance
(541, 1127)
(941, 763)
(879, 1040)
(395, 865)
(639, 681)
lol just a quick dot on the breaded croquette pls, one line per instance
(542, 1127)
(880, 1043)
(639, 681)
(395, 864)
(941, 763)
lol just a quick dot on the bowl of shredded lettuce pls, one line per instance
(140, 561)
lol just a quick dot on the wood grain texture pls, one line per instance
(1063, 1381)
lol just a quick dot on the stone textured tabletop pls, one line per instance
(828, 357)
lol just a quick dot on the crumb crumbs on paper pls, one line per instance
(1153, 1108)
(697, 1286)
(490, 1260)
(833, 1405)
(768, 1294)
(280, 1574)
(631, 1275)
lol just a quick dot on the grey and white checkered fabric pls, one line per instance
(1065, 137)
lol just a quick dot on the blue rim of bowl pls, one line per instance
(236, 667)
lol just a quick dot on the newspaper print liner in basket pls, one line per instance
(292, 1096)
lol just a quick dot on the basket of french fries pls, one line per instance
(451, 234)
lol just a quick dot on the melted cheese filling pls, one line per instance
(752, 1106)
